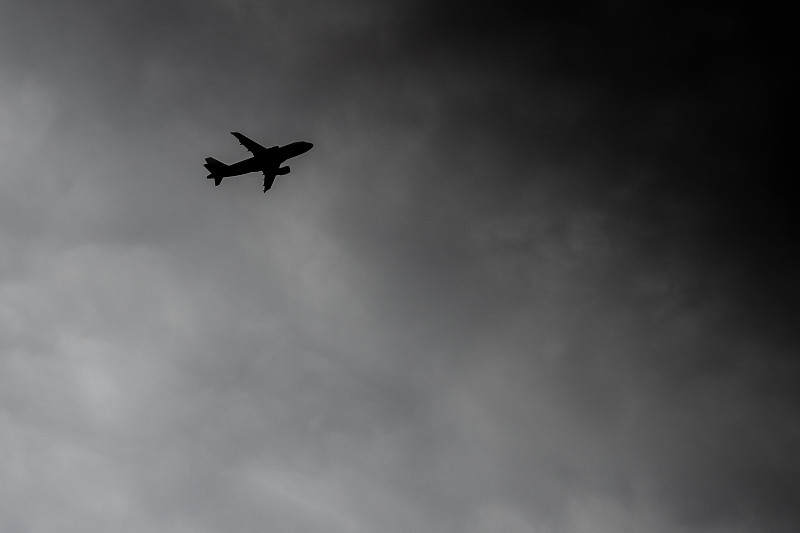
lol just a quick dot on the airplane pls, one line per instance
(265, 160)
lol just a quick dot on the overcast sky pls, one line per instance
(536, 275)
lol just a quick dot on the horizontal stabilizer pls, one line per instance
(216, 177)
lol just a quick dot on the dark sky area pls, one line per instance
(537, 275)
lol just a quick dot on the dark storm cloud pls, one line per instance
(526, 280)
(653, 132)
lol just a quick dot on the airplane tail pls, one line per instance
(215, 166)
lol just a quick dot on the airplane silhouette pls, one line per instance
(266, 160)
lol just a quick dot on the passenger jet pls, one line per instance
(265, 160)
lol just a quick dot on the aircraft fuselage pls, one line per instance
(269, 161)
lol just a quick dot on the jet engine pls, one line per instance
(282, 171)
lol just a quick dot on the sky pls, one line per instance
(535, 276)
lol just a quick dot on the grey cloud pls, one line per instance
(506, 290)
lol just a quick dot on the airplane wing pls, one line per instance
(269, 179)
(252, 146)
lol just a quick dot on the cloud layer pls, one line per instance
(533, 276)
